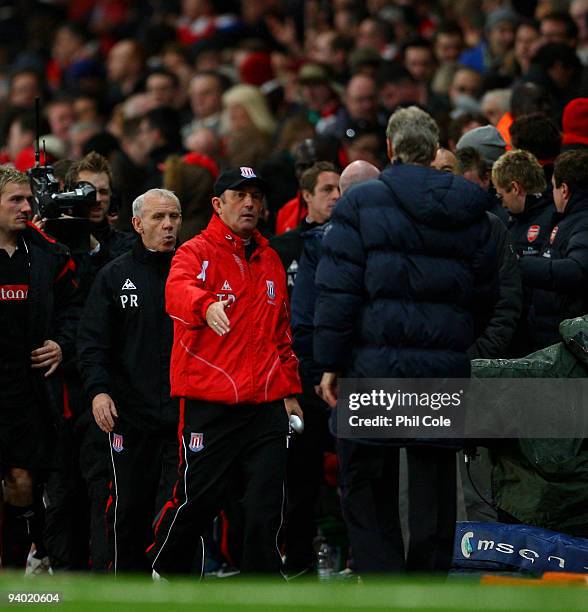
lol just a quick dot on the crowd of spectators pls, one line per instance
(229, 83)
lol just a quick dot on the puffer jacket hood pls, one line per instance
(436, 199)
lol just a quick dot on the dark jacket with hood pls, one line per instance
(495, 339)
(559, 276)
(407, 277)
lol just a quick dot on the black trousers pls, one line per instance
(369, 499)
(94, 461)
(217, 441)
(67, 518)
(143, 472)
(305, 476)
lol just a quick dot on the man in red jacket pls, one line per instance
(234, 369)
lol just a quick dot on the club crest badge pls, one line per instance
(247, 172)
(533, 232)
(271, 289)
(196, 442)
(117, 443)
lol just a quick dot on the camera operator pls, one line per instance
(38, 315)
(108, 242)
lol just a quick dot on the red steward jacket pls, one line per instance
(254, 362)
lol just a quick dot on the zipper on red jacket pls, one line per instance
(252, 335)
(239, 248)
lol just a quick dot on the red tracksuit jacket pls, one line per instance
(254, 362)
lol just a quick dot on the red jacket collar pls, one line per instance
(220, 232)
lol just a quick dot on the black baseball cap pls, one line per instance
(238, 177)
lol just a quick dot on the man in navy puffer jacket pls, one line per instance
(407, 279)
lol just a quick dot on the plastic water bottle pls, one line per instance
(324, 563)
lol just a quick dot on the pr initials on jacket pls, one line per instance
(130, 300)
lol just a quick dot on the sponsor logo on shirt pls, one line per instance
(14, 293)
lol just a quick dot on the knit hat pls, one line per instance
(575, 122)
(256, 69)
(486, 140)
(501, 14)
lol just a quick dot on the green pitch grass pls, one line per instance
(97, 594)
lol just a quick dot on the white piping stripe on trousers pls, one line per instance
(202, 568)
(115, 504)
(180, 507)
(280, 527)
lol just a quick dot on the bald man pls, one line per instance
(445, 161)
(357, 172)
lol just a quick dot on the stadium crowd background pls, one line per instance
(171, 93)
(246, 84)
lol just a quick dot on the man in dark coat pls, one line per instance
(305, 458)
(38, 316)
(319, 188)
(79, 442)
(559, 275)
(520, 184)
(495, 339)
(407, 265)
(124, 348)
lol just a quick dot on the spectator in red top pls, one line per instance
(293, 211)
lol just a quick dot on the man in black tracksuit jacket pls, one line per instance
(559, 276)
(124, 348)
(39, 309)
(319, 187)
(530, 229)
(520, 182)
